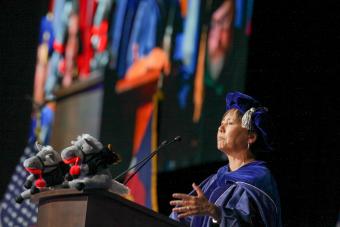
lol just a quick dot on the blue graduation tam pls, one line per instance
(255, 117)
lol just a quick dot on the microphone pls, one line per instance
(147, 158)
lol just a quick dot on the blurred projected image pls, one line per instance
(187, 54)
(221, 70)
(220, 38)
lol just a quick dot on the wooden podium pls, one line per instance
(69, 207)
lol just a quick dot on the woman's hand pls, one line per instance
(187, 205)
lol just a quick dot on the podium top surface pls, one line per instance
(69, 194)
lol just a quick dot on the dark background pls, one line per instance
(292, 68)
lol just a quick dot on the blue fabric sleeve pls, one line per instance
(242, 206)
(237, 209)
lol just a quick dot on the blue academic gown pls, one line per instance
(245, 197)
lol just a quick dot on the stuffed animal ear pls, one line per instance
(92, 144)
(38, 146)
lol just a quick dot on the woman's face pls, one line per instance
(231, 136)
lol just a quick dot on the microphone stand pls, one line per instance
(146, 159)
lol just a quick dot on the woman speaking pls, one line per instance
(242, 193)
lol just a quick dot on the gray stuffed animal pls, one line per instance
(90, 161)
(46, 170)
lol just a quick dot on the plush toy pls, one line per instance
(46, 170)
(90, 161)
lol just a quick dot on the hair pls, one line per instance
(238, 113)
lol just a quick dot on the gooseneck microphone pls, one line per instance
(147, 158)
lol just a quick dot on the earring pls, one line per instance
(248, 146)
